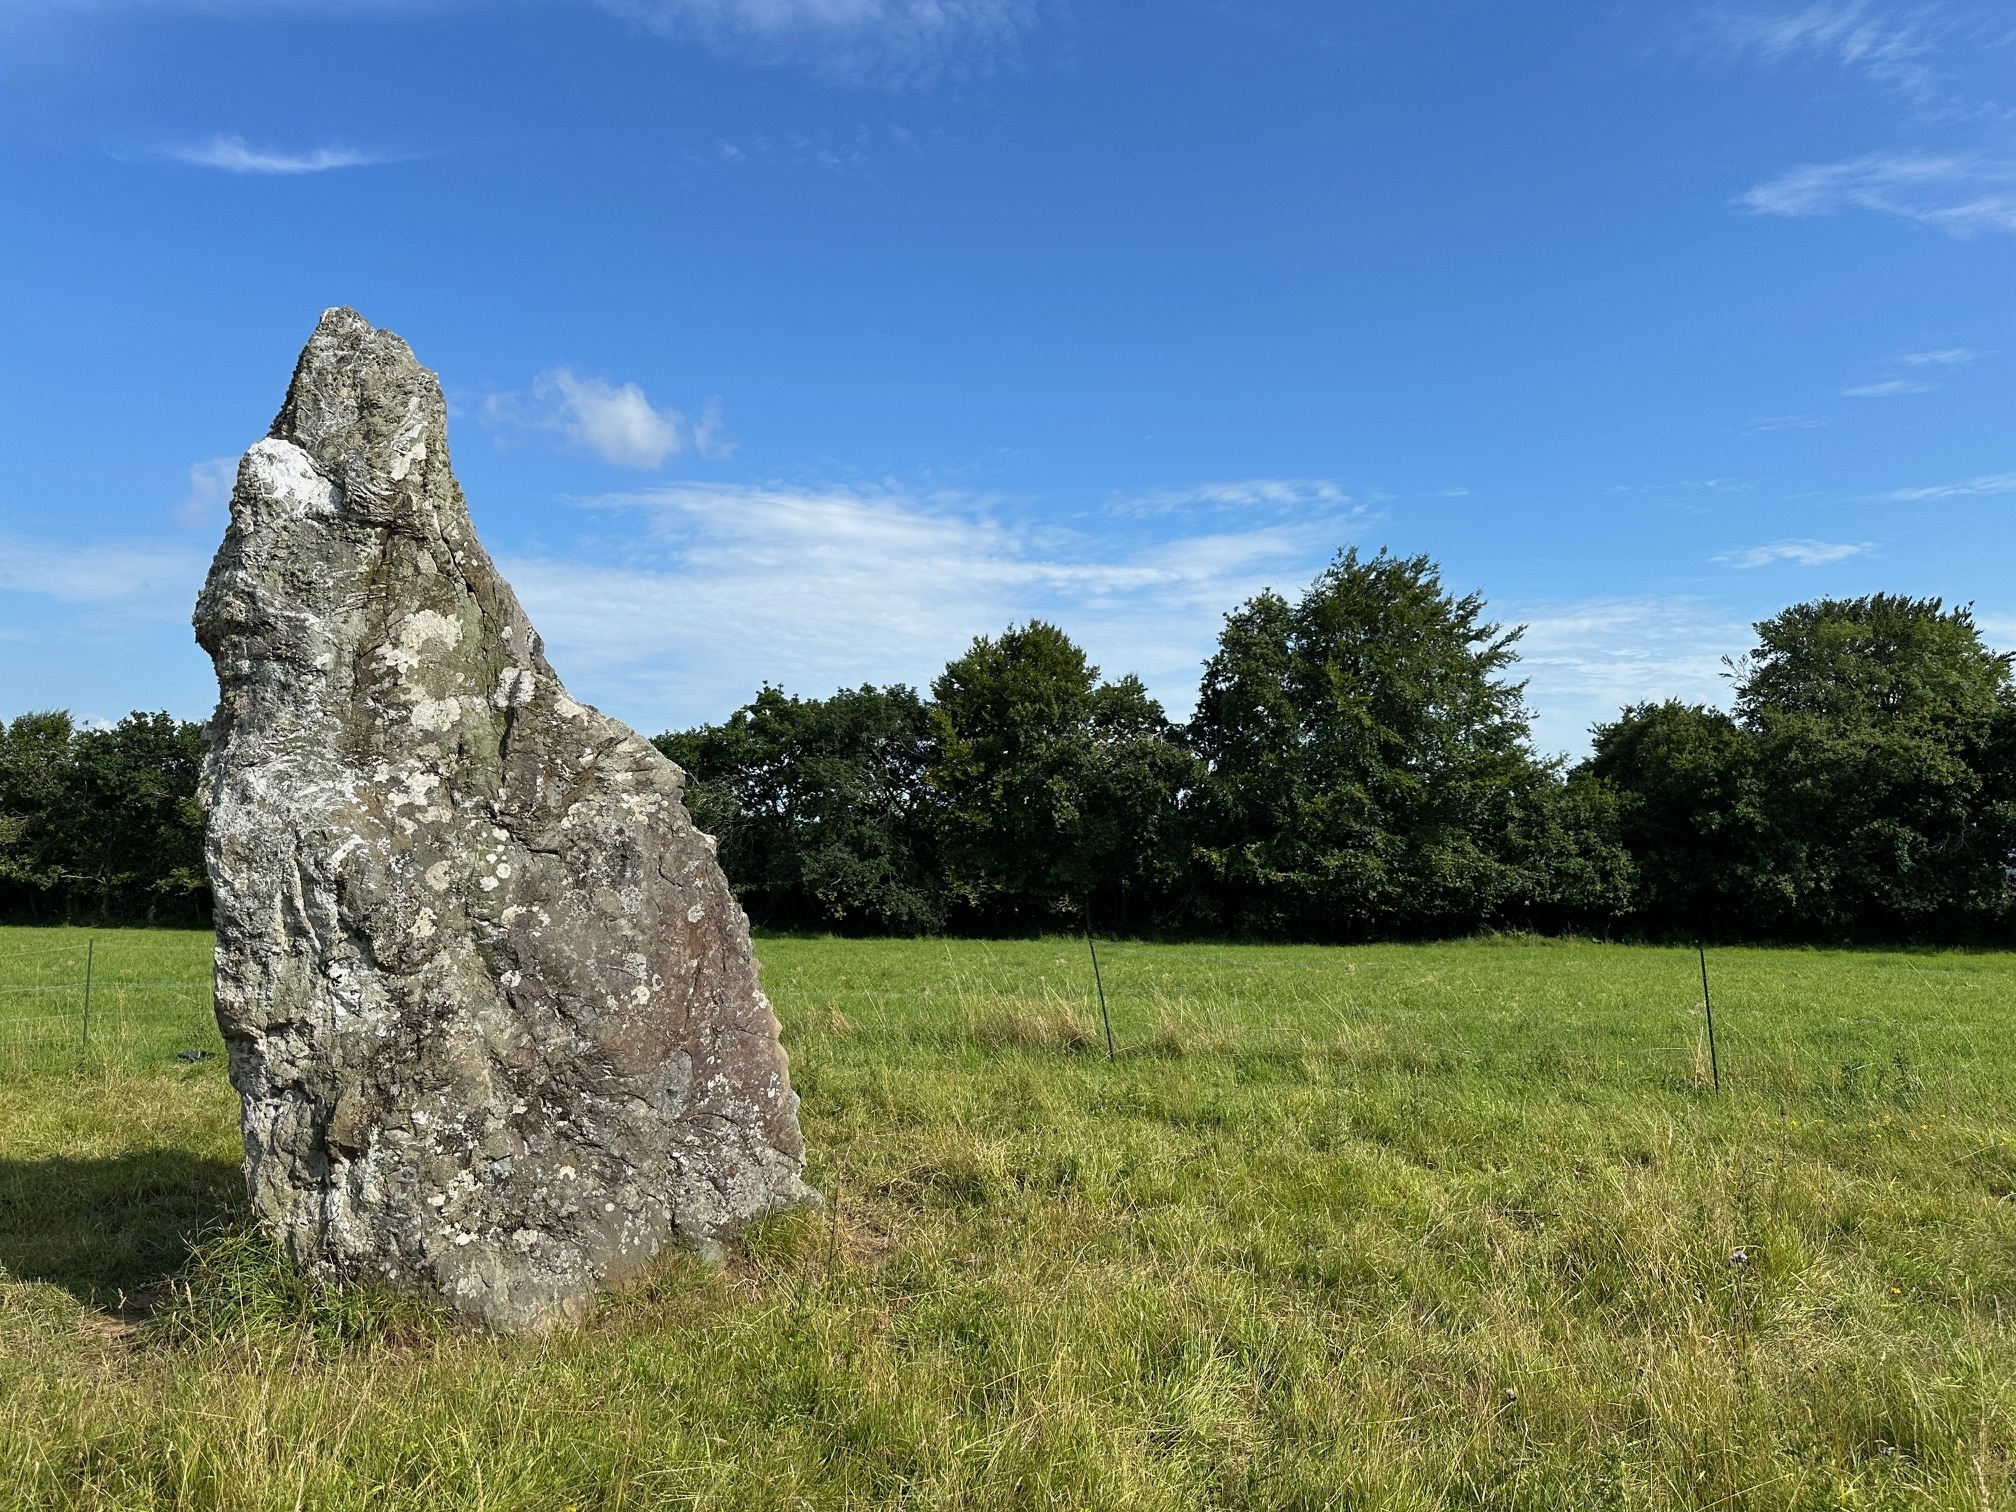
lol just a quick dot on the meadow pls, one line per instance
(1396, 1226)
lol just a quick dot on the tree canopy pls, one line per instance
(1358, 764)
(817, 805)
(101, 825)
(1861, 789)
(1058, 790)
(1369, 763)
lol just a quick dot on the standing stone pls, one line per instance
(490, 1005)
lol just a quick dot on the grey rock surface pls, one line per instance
(491, 1008)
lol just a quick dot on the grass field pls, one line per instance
(1385, 1227)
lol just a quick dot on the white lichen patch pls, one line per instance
(414, 789)
(408, 647)
(516, 687)
(437, 713)
(283, 476)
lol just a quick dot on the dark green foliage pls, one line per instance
(1684, 780)
(1884, 660)
(101, 825)
(819, 808)
(1024, 790)
(1056, 789)
(1575, 870)
(1862, 790)
(1370, 771)
(1358, 766)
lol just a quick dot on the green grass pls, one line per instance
(149, 999)
(1385, 1227)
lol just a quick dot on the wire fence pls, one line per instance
(1853, 1030)
(102, 1001)
(1884, 1030)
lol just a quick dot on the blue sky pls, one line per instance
(802, 340)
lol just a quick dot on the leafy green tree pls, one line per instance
(1370, 770)
(34, 805)
(1689, 813)
(1877, 721)
(137, 850)
(102, 824)
(820, 808)
(1057, 789)
(1571, 867)
(1861, 791)
(1883, 660)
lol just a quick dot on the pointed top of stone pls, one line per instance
(361, 405)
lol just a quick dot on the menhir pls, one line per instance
(490, 1005)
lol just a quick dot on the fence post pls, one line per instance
(1098, 981)
(90, 950)
(1708, 1007)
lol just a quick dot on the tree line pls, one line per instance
(101, 825)
(1359, 765)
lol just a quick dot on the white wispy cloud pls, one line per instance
(1887, 388)
(142, 572)
(1685, 485)
(234, 154)
(815, 588)
(1586, 659)
(1992, 483)
(1891, 388)
(210, 483)
(877, 42)
(1959, 194)
(615, 421)
(1762, 423)
(710, 432)
(847, 153)
(1997, 629)
(1889, 48)
(1291, 494)
(1804, 553)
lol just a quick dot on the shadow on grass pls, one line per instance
(104, 1230)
